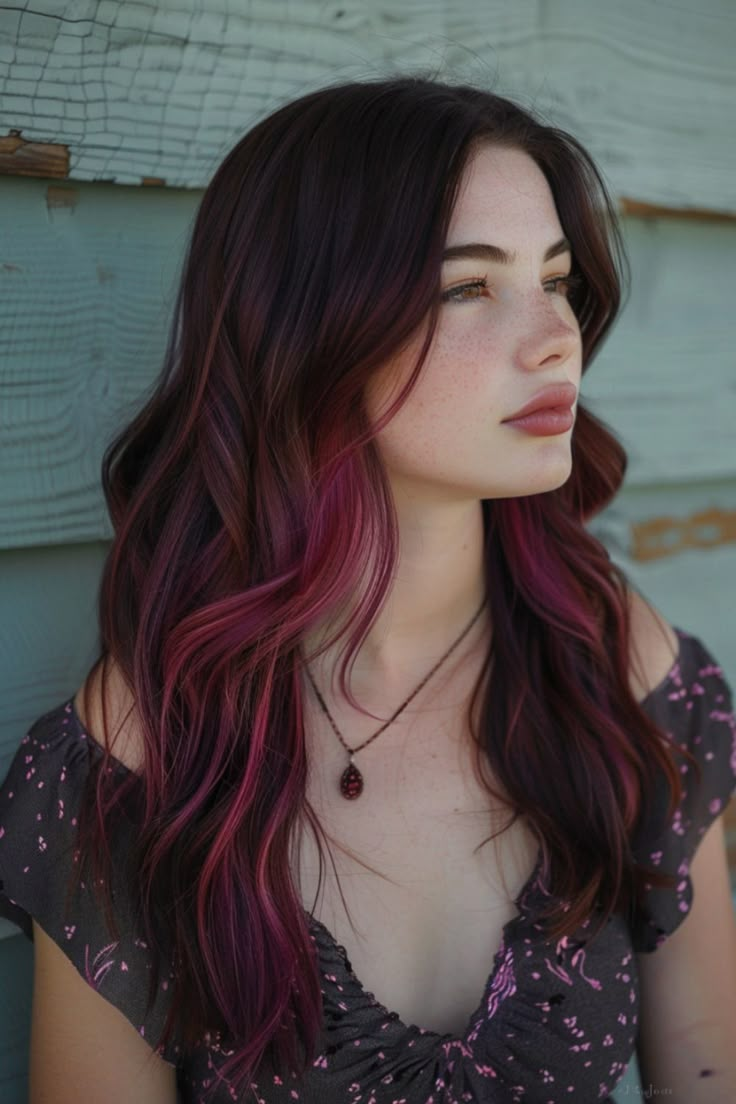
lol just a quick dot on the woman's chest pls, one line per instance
(428, 898)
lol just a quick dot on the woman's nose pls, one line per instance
(553, 338)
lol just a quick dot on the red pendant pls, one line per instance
(351, 783)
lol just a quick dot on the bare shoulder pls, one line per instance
(654, 645)
(124, 728)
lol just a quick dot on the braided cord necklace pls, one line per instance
(351, 780)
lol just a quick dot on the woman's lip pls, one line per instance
(546, 422)
(553, 397)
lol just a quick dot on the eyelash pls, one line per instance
(573, 281)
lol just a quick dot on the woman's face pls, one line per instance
(494, 348)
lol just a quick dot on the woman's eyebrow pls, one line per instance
(480, 251)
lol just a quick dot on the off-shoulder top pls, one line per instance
(553, 1019)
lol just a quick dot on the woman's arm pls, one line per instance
(688, 985)
(82, 1047)
(686, 1047)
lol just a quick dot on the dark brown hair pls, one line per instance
(249, 500)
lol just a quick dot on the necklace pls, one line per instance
(351, 780)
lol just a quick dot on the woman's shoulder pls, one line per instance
(673, 673)
(43, 877)
(692, 704)
(654, 646)
(107, 704)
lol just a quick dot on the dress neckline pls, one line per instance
(351, 979)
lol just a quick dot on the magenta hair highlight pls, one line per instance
(249, 502)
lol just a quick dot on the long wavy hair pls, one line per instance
(249, 502)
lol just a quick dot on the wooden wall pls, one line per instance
(113, 117)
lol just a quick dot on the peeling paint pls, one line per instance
(61, 197)
(628, 206)
(667, 536)
(21, 158)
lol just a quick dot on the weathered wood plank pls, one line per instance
(627, 206)
(162, 90)
(21, 158)
(86, 285)
(48, 632)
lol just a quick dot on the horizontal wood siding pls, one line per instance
(145, 90)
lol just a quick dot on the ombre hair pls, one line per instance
(249, 502)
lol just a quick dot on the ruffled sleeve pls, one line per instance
(695, 707)
(39, 802)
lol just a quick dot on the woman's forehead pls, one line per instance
(504, 196)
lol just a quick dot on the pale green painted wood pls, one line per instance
(664, 380)
(85, 299)
(48, 631)
(16, 974)
(146, 89)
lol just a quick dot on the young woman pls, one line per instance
(386, 786)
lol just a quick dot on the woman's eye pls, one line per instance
(463, 293)
(572, 281)
(471, 291)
